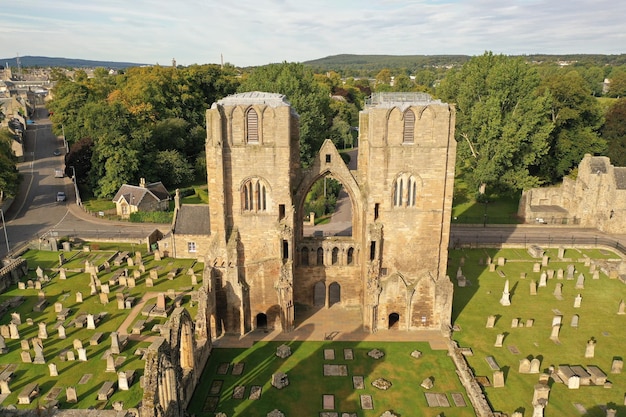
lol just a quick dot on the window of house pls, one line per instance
(191, 246)
(409, 126)
(252, 126)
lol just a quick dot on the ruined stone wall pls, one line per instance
(12, 272)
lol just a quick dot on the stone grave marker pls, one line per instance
(4, 387)
(536, 267)
(561, 253)
(498, 379)
(37, 285)
(543, 280)
(573, 382)
(522, 275)
(621, 308)
(616, 366)
(559, 273)
(358, 382)
(131, 283)
(154, 274)
(491, 320)
(24, 344)
(3, 346)
(26, 358)
(16, 319)
(492, 267)
(91, 324)
(38, 348)
(544, 260)
(596, 275)
(61, 332)
(558, 291)
(570, 272)
(501, 261)
(514, 323)
(590, 349)
(577, 301)
(524, 366)
(79, 297)
(554, 336)
(499, 340)
(505, 300)
(119, 297)
(533, 287)
(110, 364)
(149, 283)
(580, 282)
(82, 354)
(53, 369)
(530, 322)
(574, 322)
(43, 331)
(69, 356)
(104, 298)
(366, 402)
(136, 274)
(14, 333)
(535, 364)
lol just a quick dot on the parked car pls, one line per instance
(58, 173)
(56, 152)
(60, 196)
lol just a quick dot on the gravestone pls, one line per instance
(543, 280)
(530, 322)
(154, 274)
(550, 274)
(24, 344)
(130, 261)
(91, 324)
(533, 287)
(3, 346)
(536, 267)
(39, 272)
(26, 358)
(62, 273)
(4, 387)
(557, 320)
(577, 301)
(574, 322)
(53, 369)
(524, 366)
(16, 318)
(70, 395)
(596, 275)
(492, 267)
(13, 331)
(621, 308)
(541, 393)
(616, 366)
(280, 380)
(554, 336)
(505, 299)
(570, 272)
(498, 379)
(558, 291)
(38, 348)
(115, 343)
(590, 349)
(120, 301)
(110, 364)
(136, 274)
(105, 288)
(573, 382)
(544, 260)
(522, 275)
(491, 320)
(104, 298)
(70, 356)
(77, 344)
(514, 323)
(123, 382)
(499, 340)
(580, 282)
(535, 251)
(149, 283)
(61, 332)
(501, 261)
(79, 297)
(535, 364)
(82, 354)
(559, 273)
(43, 331)
(130, 282)
(561, 253)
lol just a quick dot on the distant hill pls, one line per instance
(45, 62)
(348, 64)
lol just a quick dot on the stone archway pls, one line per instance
(319, 294)
(394, 321)
(334, 293)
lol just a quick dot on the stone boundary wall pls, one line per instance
(466, 376)
(67, 413)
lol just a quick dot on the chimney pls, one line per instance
(142, 182)
(177, 200)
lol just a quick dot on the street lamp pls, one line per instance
(4, 226)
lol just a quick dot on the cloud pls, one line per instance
(263, 31)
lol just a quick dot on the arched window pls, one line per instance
(320, 256)
(335, 257)
(405, 192)
(409, 126)
(304, 256)
(350, 259)
(254, 195)
(252, 126)
(397, 194)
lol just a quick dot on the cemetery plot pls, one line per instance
(571, 333)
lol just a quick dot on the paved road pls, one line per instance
(35, 212)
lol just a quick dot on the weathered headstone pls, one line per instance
(505, 299)
(491, 320)
(543, 279)
(499, 340)
(544, 260)
(554, 336)
(580, 282)
(559, 273)
(590, 349)
(558, 291)
(617, 365)
(26, 358)
(501, 261)
(573, 382)
(62, 273)
(498, 379)
(91, 324)
(79, 297)
(574, 322)
(621, 308)
(43, 332)
(61, 331)
(524, 366)
(53, 369)
(110, 364)
(535, 364)
(561, 253)
(577, 301)
(104, 298)
(13, 331)
(82, 354)
(522, 275)
(570, 271)
(536, 267)
(514, 323)
(530, 322)
(533, 287)
(70, 395)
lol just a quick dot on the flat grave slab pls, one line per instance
(119, 361)
(366, 402)
(329, 414)
(84, 379)
(255, 392)
(513, 349)
(580, 408)
(483, 380)
(491, 361)
(328, 402)
(53, 393)
(222, 369)
(239, 391)
(329, 354)
(357, 382)
(458, 399)
(238, 368)
(335, 370)
(348, 354)
(210, 404)
(216, 387)
(437, 399)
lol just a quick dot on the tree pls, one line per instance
(79, 158)
(577, 118)
(309, 98)
(502, 125)
(617, 86)
(9, 175)
(614, 132)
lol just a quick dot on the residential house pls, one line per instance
(144, 197)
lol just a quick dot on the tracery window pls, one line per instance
(255, 195)
(405, 191)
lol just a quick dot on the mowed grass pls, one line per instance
(307, 384)
(598, 320)
(64, 291)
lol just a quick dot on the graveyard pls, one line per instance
(557, 331)
(73, 335)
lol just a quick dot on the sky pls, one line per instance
(251, 33)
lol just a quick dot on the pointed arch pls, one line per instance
(408, 133)
(255, 195)
(252, 126)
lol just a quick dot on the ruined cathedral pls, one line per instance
(263, 267)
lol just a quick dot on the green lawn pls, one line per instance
(64, 291)
(307, 384)
(598, 320)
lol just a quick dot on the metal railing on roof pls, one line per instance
(405, 97)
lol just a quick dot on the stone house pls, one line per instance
(191, 232)
(596, 198)
(144, 197)
(391, 266)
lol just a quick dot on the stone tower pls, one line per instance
(388, 263)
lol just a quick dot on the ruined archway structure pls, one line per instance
(401, 196)
(174, 362)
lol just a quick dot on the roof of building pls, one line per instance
(255, 97)
(134, 194)
(192, 219)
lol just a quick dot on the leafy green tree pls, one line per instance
(577, 118)
(171, 168)
(9, 175)
(614, 132)
(617, 86)
(308, 97)
(79, 157)
(502, 125)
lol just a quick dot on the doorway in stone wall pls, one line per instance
(334, 293)
(394, 321)
(319, 294)
(261, 321)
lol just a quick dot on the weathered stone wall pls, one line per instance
(12, 272)
(596, 198)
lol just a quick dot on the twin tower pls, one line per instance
(389, 263)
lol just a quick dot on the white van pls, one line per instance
(58, 173)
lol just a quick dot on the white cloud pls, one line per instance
(263, 31)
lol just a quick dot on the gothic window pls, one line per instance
(254, 195)
(350, 259)
(320, 256)
(252, 126)
(335, 256)
(409, 126)
(405, 192)
(304, 256)
(397, 194)
(191, 246)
